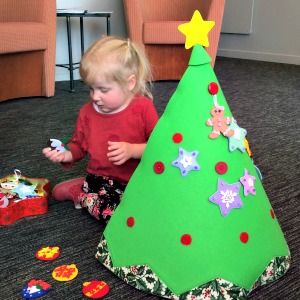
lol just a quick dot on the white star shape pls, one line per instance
(250, 182)
(186, 161)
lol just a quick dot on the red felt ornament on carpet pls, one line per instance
(47, 253)
(95, 289)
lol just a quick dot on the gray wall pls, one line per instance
(93, 29)
(275, 32)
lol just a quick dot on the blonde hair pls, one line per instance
(116, 59)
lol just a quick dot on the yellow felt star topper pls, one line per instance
(196, 31)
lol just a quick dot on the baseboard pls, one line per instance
(262, 56)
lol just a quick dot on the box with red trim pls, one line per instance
(17, 207)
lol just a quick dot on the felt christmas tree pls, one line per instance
(194, 221)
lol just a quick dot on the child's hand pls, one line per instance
(57, 156)
(119, 152)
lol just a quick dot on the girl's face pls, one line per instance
(109, 96)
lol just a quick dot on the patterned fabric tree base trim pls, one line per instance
(142, 278)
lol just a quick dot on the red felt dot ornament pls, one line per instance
(244, 237)
(213, 88)
(177, 138)
(158, 167)
(186, 239)
(130, 222)
(272, 213)
(221, 167)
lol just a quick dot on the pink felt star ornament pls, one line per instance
(248, 182)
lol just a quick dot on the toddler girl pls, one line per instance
(112, 128)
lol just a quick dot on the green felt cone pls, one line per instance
(167, 236)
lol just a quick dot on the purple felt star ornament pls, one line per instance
(227, 197)
(248, 182)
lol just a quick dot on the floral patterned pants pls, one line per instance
(101, 196)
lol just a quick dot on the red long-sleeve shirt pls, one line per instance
(93, 130)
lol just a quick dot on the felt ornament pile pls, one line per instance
(194, 221)
(22, 196)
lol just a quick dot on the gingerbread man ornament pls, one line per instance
(218, 121)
